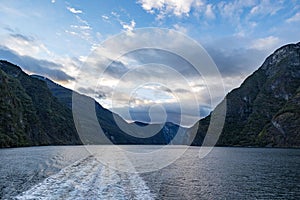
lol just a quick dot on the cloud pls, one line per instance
(86, 27)
(115, 14)
(22, 37)
(74, 11)
(34, 57)
(179, 28)
(82, 30)
(266, 43)
(165, 7)
(266, 7)
(124, 77)
(209, 13)
(181, 90)
(236, 57)
(32, 65)
(233, 9)
(23, 45)
(105, 17)
(52, 1)
(234, 61)
(116, 69)
(295, 18)
(174, 114)
(101, 92)
(81, 21)
(128, 27)
(71, 33)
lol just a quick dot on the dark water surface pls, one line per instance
(70, 172)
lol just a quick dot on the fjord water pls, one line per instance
(70, 172)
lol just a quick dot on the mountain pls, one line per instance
(36, 111)
(29, 113)
(265, 109)
(90, 128)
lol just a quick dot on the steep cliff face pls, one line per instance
(259, 111)
(284, 129)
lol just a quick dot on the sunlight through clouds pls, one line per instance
(237, 34)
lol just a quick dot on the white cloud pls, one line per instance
(52, 1)
(24, 45)
(267, 43)
(175, 7)
(85, 27)
(233, 9)
(128, 26)
(266, 7)
(73, 10)
(115, 14)
(34, 57)
(105, 17)
(82, 30)
(295, 18)
(71, 32)
(209, 13)
(254, 10)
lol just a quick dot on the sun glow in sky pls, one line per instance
(54, 38)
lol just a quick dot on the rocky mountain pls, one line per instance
(265, 109)
(37, 111)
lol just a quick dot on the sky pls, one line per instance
(56, 39)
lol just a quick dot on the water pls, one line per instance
(225, 173)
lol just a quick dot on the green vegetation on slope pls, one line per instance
(264, 110)
(30, 114)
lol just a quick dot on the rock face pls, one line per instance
(264, 110)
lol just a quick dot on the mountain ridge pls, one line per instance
(263, 111)
(106, 119)
(36, 116)
(51, 102)
(252, 106)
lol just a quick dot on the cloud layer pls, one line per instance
(237, 34)
(35, 66)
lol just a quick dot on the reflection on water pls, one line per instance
(226, 173)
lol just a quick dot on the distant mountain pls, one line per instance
(36, 111)
(265, 109)
(90, 128)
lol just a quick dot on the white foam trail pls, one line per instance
(88, 179)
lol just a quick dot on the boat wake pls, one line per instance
(89, 179)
